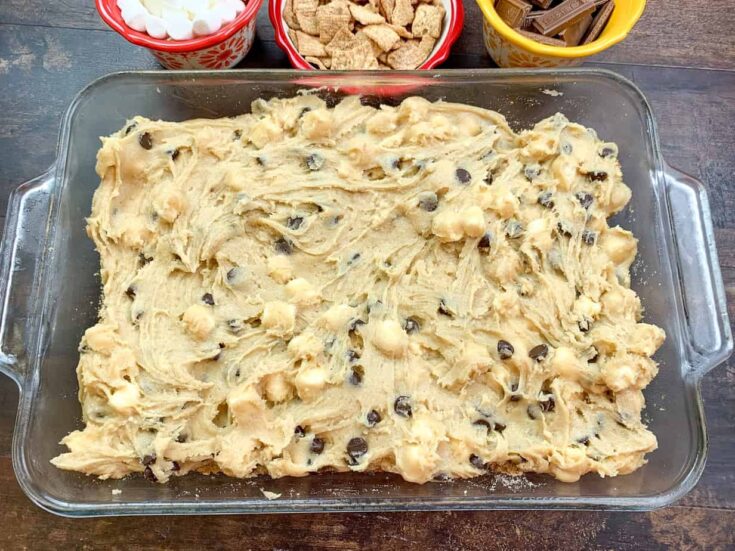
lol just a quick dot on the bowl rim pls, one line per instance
(508, 33)
(110, 14)
(455, 23)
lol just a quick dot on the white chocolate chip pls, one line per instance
(473, 221)
(279, 317)
(310, 381)
(277, 388)
(125, 398)
(199, 321)
(301, 291)
(390, 338)
(279, 268)
(305, 346)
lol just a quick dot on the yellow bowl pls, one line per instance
(511, 49)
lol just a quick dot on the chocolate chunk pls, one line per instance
(444, 309)
(505, 350)
(477, 462)
(294, 222)
(538, 37)
(564, 229)
(485, 241)
(317, 445)
(428, 201)
(513, 229)
(569, 12)
(145, 140)
(299, 431)
(207, 298)
(149, 475)
(566, 148)
(314, 161)
(589, 237)
(539, 352)
(546, 200)
(373, 418)
(585, 199)
(513, 12)
(283, 245)
(148, 459)
(356, 448)
(130, 291)
(599, 22)
(352, 355)
(548, 404)
(402, 406)
(411, 325)
(357, 374)
(370, 101)
(463, 176)
(597, 175)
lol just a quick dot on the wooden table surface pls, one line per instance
(682, 54)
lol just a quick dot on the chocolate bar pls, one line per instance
(598, 23)
(543, 4)
(562, 16)
(573, 34)
(548, 40)
(513, 12)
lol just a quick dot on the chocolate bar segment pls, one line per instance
(541, 39)
(598, 23)
(513, 12)
(562, 16)
(543, 4)
(573, 34)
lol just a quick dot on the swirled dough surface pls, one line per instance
(416, 289)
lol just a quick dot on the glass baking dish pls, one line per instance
(50, 285)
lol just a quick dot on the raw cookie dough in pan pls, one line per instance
(415, 289)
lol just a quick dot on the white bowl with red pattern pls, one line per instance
(221, 50)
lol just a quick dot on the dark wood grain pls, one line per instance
(49, 50)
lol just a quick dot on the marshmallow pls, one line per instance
(225, 12)
(134, 15)
(207, 22)
(155, 26)
(179, 19)
(179, 27)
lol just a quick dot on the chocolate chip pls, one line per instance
(594, 358)
(411, 325)
(564, 229)
(499, 427)
(207, 298)
(597, 175)
(373, 418)
(584, 325)
(607, 151)
(402, 406)
(489, 179)
(234, 325)
(130, 128)
(463, 176)
(505, 350)
(314, 161)
(546, 200)
(181, 438)
(589, 237)
(485, 241)
(149, 475)
(566, 148)
(428, 201)
(148, 459)
(515, 397)
(532, 172)
(585, 199)
(354, 258)
(299, 431)
(260, 160)
(483, 423)
(352, 355)
(304, 111)
(356, 448)
(145, 140)
(232, 274)
(539, 352)
(444, 310)
(130, 291)
(236, 135)
(548, 404)
(356, 375)
(283, 246)
(317, 445)
(513, 229)
(143, 259)
(370, 101)
(354, 324)
(477, 462)
(294, 222)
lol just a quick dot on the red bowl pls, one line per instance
(454, 22)
(221, 50)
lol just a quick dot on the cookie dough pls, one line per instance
(416, 289)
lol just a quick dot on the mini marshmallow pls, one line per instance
(155, 26)
(237, 5)
(179, 27)
(225, 12)
(207, 22)
(134, 15)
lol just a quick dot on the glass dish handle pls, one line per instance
(703, 293)
(20, 254)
